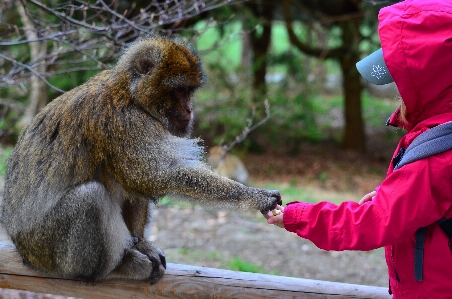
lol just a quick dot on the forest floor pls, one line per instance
(242, 240)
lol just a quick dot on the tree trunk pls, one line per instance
(246, 55)
(354, 131)
(347, 55)
(38, 88)
(246, 50)
(260, 44)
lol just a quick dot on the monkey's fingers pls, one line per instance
(277, 196)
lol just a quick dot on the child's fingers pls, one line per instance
(280, 208)
(275, 216)
(276, 220)
(275, 212)
(268, 215)
(367, 197)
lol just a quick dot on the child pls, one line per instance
(416, 40)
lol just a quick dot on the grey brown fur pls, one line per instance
(82, 175)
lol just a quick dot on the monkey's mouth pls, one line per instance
(185, 124)
(185, 121)
(182, 127)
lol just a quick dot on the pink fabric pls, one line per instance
(416, 38)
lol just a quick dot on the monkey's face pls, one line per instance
(163, 76)
(180, 116)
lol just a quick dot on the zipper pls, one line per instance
(396, 275)
(393, 264)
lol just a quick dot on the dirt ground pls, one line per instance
(242, 239)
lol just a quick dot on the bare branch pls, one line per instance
(305, 48)
(90, 33)
(28, 41)
(31, 70)
(8, 103)
(249, 128)
(65, 17)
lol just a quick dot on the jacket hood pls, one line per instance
(416, 38)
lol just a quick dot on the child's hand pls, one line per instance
(367, 197)
(274, 218)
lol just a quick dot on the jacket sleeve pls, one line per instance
(414, 196)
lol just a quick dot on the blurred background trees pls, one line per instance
(299, 55)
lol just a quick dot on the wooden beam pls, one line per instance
(180, 281)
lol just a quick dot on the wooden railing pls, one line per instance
(180, 281)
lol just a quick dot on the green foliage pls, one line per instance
(225, 105)
(4, 154)
(377, 111)
(71, 80)
(300, 110)
(297, 119)
(171, 202)
(188, 255)
(220, 46)
(183, 250)
(237, 264)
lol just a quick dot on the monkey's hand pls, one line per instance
(273, 198)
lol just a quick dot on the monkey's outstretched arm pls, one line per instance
(207, 187)
(149, 162)
(201, 185)
(149, 176)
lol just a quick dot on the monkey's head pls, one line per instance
(162, 75)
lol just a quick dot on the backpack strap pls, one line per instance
(446, 225)
(434, 141)
(419, 253)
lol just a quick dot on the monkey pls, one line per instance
(82, 175)
(227, 164)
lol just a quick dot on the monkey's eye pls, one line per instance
(181, 91)
(146, 67)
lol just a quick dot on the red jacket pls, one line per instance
(416, 38)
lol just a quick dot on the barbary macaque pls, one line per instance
(83, 173)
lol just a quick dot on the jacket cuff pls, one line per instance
(293, 214)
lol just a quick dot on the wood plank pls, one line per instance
(180, 281)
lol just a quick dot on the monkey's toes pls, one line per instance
(158, 268)
(157, 258)
(162, 259)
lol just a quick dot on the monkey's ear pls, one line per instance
(145, 66)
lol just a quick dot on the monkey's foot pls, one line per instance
(143, 261)
(156, 256)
